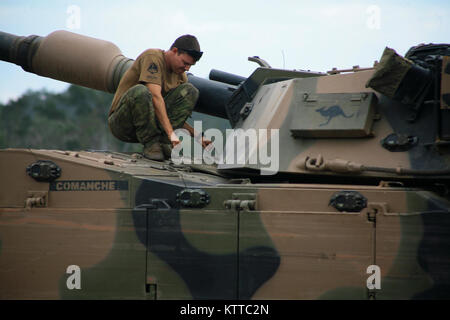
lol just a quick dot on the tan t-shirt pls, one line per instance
(149, 67)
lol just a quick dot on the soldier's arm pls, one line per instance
(197, 135)
(161, 112)
(188, 127)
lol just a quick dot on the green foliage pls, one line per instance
(72, 120)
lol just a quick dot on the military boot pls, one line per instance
(167, 150)
(153, 151)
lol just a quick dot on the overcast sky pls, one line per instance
(309, 35)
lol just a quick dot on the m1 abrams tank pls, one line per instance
(352, 204)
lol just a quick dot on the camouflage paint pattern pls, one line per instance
(140, 243)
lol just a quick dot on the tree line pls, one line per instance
(76, 119)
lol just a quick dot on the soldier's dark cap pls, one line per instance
(190, 45)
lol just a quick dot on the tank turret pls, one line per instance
(389, 121)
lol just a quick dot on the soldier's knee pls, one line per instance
(139, 99)
(192, 90)
(190, 93)
(138, 90)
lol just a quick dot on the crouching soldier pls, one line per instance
(154, 98)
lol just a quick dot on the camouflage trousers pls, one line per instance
(135, 120)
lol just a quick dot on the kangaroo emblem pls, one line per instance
(332, 112)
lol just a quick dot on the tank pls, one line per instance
(331, 185)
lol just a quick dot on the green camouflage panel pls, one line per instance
(135, 119)
(389, 73)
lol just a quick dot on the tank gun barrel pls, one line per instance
(68, 57)
(214, 96)
(226, 77)
(11, 51)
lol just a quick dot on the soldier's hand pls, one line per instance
(174, 139)
(205, 142)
